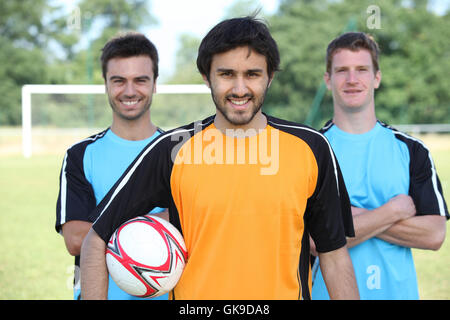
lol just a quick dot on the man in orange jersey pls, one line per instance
(245, 189)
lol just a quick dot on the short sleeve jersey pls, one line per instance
(377, 166)
(245, 206)
(90, 168)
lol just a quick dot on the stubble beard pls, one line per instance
(239, 118)
(124, 116)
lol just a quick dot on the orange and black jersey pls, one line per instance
(245, 206)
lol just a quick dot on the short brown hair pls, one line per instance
(128, 45)
(353, 41)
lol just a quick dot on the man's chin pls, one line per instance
(239, 119)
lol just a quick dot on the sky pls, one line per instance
(196, 17)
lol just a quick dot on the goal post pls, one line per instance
(30, 89)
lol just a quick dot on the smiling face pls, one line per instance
(130, 87)
(352, 81)
(239, 80)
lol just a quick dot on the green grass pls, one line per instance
(35, 264)
(34, 261)
(433, 267)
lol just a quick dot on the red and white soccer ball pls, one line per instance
(146, 256)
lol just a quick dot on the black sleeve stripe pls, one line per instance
(404, 137)
(439, 197)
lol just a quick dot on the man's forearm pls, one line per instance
(371, 223)
(338, 273)
(421, 232)
(94, 273)
(74, 232)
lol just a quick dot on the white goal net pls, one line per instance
(85, 108)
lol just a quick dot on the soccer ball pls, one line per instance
(146, 256)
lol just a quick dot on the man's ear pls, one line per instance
(377, 79)
(205, 79)
(327, 79)
(270, 79)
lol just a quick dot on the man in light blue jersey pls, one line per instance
(92, 166)
(396, 196)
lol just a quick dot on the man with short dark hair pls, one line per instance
(245, 189)
(92, 166)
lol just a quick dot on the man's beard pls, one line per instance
(124, 116)
(245, 117)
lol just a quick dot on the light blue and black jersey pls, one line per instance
(90, 168)
(377, 166)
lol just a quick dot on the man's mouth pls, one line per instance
(239, 102)
(352, 91)
(129, 102)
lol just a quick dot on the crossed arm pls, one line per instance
(396, 222)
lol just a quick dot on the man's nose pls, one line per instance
(130, 90)
(240, 87)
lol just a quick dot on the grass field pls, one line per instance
(34, 263)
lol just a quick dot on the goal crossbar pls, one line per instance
(29, 89)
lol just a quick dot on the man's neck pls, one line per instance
(355, 123)
(259, 122)
(133, 131)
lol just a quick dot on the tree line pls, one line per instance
(40, 43)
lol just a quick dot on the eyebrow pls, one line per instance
(232, 70)
(122, 78)
(346, 67)
(116, 77)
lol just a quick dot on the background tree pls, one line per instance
(39, 45)
(100, 21)
(414, 58)
(185, 61)
(23, 38)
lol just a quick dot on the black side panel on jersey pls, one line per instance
(424, 187)
(73, 184)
